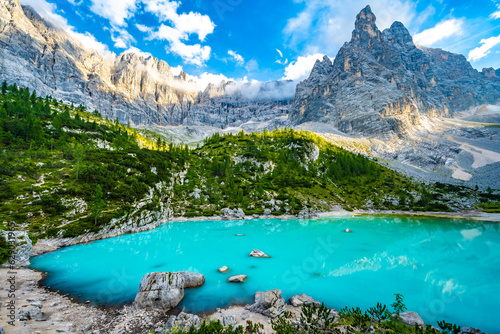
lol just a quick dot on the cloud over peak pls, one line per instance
(441, 31)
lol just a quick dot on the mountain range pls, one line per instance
(379, 83)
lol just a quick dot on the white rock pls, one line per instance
(258, 253)
(237, 279)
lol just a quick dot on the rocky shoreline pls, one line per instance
(41, 311)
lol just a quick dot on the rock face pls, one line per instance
(22, 251)
(303, 299)
(269, 303)
(380, 83)
(192, 280)
(39, 55)
(160, 290)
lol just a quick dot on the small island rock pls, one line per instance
(258, 253)
(237, 279)
(192, 280)
(223, 269)
(161, 290)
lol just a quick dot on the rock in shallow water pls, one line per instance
(237, 279)
(162, 290)
(258, 253)
(269, 303)
(192, 280)
(223, 269)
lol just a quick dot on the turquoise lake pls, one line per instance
(446, 269)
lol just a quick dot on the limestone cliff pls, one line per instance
(380, 83)
(36, 54)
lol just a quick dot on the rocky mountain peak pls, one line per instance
(381, 84)
(398, 33)
(490, 73)
(365, 29)
(322, 67)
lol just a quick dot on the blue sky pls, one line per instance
(268, 40)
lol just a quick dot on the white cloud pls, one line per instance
(122, 38)
(206, 78)
(75, 3)
(281, 61)
(324, 25)
(442, 30)
(176, 70)
(180, 27)
(495, 15)
(142, 28)
(116, 11)
(238, 58)
(191, 23)
(48, 12)
(483, 50)
(138, 52)
(192, 54)
(301, 68)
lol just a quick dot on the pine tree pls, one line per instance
(78, 153)
(97, 203)
(4, 88)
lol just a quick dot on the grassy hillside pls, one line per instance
(65, 171)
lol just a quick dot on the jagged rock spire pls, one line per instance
(365, 29)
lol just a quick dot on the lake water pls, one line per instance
(446, 269)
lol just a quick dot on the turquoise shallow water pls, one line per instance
(446, 269)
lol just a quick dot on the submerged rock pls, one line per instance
(182, 322)
(237, 279)
(303, 299)
(269, 303)
(162, 290)
(258, 253)
(192, 280)
(410, 318)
